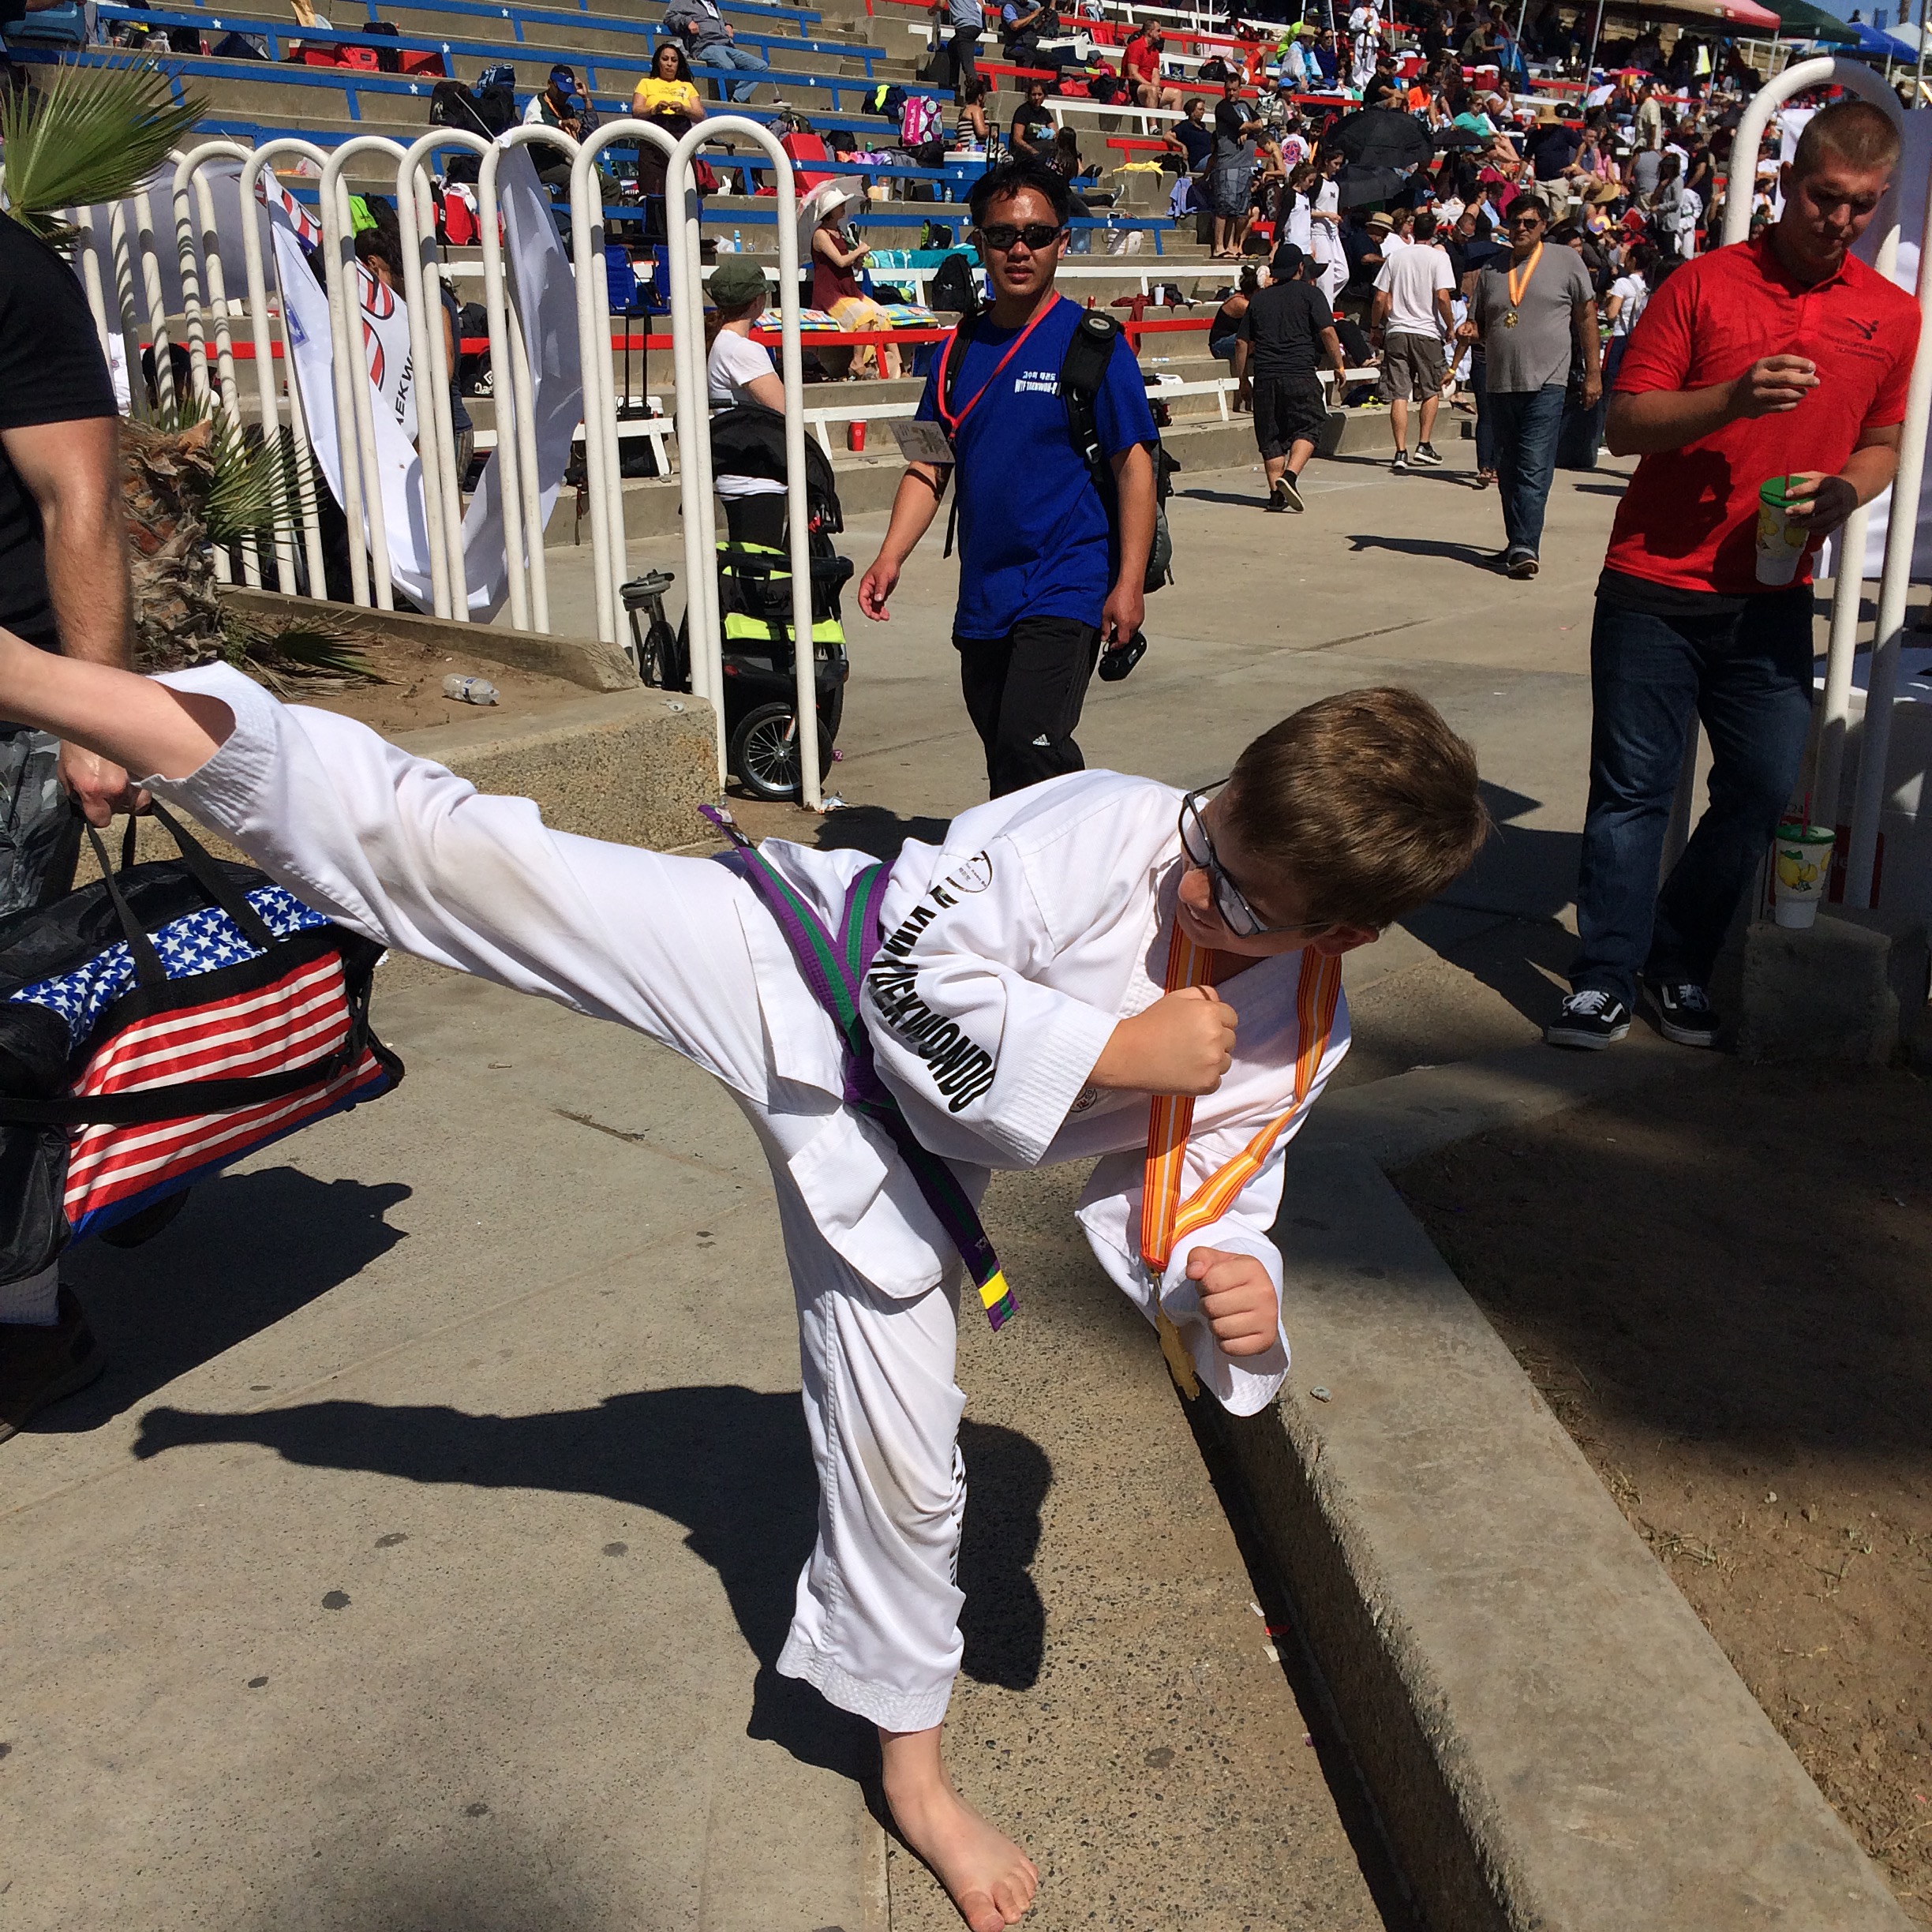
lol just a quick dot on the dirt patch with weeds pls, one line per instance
(410, 695)
(1723, 1287)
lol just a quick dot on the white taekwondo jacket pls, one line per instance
(1010, 953)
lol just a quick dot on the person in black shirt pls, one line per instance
(64, 587)
(1190, 138)
(1287, 334)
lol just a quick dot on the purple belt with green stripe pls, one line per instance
(834, 968)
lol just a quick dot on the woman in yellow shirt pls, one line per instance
(667, 93)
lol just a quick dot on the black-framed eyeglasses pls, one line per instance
(1197, 847)
(1001, 236)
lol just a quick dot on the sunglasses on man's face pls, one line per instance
(1001, 236)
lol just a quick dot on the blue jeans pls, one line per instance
(722, 53)
(1749, 678)
(1524, 424)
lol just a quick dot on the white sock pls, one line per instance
(34, 1301)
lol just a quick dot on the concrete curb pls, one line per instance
(597, 666)
(1552, 1738)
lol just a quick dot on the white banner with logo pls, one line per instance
(544, 296)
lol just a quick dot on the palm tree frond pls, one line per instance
(92, 135)
(258, 484)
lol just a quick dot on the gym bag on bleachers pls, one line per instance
(156, 1026)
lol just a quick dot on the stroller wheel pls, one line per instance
(764, 752)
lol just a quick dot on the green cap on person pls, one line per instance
(735, 281)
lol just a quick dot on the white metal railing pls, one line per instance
(355, 405)
(265, 361)
(1849, 589)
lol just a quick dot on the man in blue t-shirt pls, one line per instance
(1044, 583)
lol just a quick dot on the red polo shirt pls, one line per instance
(1689, 517)
(1141, 61)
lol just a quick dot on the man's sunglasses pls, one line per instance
(1236, 915)
(1527, 221)
(1001, 236)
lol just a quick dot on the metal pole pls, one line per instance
(265, 357)
(355, 410)
(1894, 581)
(516, 440)
(602, 463)
(123, 265)
(1590, 65)
(791, 372)
(148, 252)
(442, 487)
(1848, 589)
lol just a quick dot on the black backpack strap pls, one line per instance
(1083, 370)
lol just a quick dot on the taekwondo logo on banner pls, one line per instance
(385, 322)
(543, 290)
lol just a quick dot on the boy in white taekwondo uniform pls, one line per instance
(1016, 1013)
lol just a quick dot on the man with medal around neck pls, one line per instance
(1534, 313)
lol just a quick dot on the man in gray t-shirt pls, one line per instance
(1534, 313)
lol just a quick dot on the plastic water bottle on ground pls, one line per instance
(470, 690)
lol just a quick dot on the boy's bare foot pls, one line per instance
(987, 1876)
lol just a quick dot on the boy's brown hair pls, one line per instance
(1367, 800)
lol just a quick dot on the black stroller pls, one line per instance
(755, 608)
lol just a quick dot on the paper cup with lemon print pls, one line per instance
(1801, 857)
(1780, 542)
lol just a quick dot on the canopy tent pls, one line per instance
(1720, 16)
(1874, 43)
(1803, 21)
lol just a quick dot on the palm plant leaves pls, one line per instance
(92, 135)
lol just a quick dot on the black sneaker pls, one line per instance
(1683, 1013)
(1591, 1018)
(1426, 454)
(1291, 497)
(1520, 563)
(39, 1365)
(1400, 465)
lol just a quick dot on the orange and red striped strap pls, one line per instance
(1165, 1218)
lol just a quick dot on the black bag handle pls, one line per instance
(148, 971)
(208, 876)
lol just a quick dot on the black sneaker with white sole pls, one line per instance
(1400, 465)
(1427, 455)
(1591, 1018)
(1291, 496)
(1684, 1011)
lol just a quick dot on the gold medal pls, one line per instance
(1519, 286)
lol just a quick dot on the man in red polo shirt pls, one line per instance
(1785, 357)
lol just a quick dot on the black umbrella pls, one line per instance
(1382, 138)
(1378, 145)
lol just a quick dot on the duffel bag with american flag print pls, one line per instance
(158, 1025)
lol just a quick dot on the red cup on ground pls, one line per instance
(854, 436)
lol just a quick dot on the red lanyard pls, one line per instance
(953, 418)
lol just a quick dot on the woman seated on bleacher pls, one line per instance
(836, 260)
(970, 131)
(1032, 138)
(667, 94)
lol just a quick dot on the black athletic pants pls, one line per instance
(1024, 693)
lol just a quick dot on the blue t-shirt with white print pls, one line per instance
(1032, 529)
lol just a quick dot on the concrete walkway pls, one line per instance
(421, 1560)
